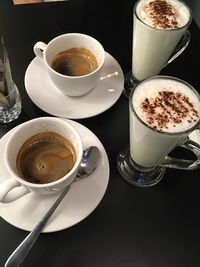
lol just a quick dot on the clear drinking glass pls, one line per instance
(144, 162)
(154, 48)
(10, 100)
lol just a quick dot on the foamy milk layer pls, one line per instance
(166, 105)
(163, 14)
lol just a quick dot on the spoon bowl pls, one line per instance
(89, 162)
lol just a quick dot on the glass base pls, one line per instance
(10, 106)
(135, 174)
(129, 83)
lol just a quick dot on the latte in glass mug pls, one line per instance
(158, 27)
(163, 111)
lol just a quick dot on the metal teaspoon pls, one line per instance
(89, 162)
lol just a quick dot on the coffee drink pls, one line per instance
(158, 27)
(45, 158)
(163, 14)
(162, 112)
(42, 156)
(75, 61)
(166, 105)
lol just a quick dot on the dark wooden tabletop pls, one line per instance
(131, 227)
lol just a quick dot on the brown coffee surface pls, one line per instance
(45, 158)
(75, 62)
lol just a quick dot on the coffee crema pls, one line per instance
(45, 158)
(75, 61)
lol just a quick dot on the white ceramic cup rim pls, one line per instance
(45, 185)
(54, 40)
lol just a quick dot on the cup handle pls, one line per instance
(184, 164)
(38, 49)
(9, 186)
(182, 45)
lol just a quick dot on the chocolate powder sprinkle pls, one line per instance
(166, 108)
(162, 14)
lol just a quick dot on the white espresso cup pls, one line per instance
(16, 186)
(67, 84)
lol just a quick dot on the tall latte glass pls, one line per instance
(158, 26)
(164, 110)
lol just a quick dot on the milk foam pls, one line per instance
(164, 113)
(163, 14)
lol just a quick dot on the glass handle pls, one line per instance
(182, 45)
(184, 164)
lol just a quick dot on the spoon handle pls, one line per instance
(17, 257)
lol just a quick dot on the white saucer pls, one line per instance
(47, 97)
(81, 200)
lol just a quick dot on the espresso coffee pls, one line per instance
(76, 61)
(45, 158)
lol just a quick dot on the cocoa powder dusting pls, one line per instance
(168, 108)
(162, 14)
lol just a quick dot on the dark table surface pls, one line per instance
(152, 227)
